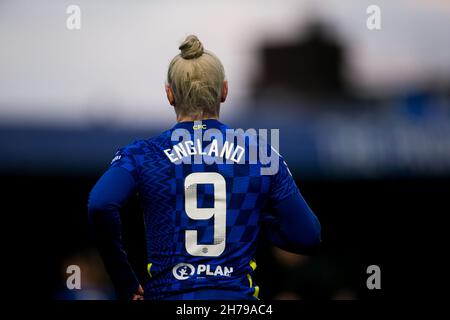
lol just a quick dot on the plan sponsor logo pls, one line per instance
(184, 271)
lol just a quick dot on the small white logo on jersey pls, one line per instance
(116, 158)
(181, 272)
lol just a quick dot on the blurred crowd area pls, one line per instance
(364, 119)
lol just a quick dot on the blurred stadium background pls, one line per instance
(364, 120)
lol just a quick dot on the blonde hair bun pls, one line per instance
(196, 77)
(191, 48)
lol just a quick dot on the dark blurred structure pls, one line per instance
(312, 68)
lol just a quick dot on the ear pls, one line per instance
(224, 91)
(170, 95)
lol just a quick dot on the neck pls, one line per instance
(195, 118)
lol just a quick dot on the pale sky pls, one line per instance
(115, 66)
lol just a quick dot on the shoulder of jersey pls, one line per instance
(153, 144)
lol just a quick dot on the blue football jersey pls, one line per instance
(202, 218)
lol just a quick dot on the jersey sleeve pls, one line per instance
(124, 159)
(291, 224)
(282, 183)
(108, 196)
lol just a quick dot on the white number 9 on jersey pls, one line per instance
(218, 212)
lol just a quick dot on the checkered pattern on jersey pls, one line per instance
(246, 193)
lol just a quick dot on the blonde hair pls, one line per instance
(196, 77)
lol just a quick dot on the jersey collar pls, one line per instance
(197, 125)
